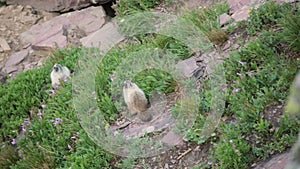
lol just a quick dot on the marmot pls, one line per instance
(136, 101)
(58, 73)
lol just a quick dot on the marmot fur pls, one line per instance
(136, 101)
(58, 73)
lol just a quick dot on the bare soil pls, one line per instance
(14, 20)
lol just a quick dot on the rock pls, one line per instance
(241, 14)
(187, 67)
(278, 162)
(4, 45)
(171, 138)
(57, 5)
(48, 15)
(282, 1)
(16, 58)
(236, 5)
(236, 46)
(224, 19)
(196, 4)
(226, 46)
(10, 69)
(294, 160)
(46, 44)
(48, 34)
(105, 38)
(73, 34)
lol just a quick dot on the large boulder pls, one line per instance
(57, 5)
(53, 32)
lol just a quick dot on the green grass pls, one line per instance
(127, 7)
(258, 75)
(206, 19)
(148, 79)
(45, 144)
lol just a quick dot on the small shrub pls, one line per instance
(152, 79)
(206, 19)
(21, 95)
(8, 156)
(266, 15)
(217, 37)
(127, 7)
(233, 151)
(35, 157)
(291, 29)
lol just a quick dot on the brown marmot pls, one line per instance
(136, 101)
(58, 73)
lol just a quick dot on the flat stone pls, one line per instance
(224, 19)
(105, 38)
(4, 45)
(57, 40)
(187, 67)
(277, 162)
(16, 58)
(172, 138)
(57, 5)
(236, 5)
(282, 1)
(10, 69)
(241, 14)
(226, 46)
(47, 34)
(236, 46)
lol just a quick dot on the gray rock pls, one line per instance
(226, 46)
(4, 45)
(172, 138)
(105, 38)
(57, 5)
(277, 162)
(73, 34)
(10, 69)
(241, 14)
(16, 58)
(236, 5)
(187, 67)
(294, 160)
(49, 34)
(282, 1)
(224, 19)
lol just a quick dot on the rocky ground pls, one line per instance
(15, 19)
(28, 35)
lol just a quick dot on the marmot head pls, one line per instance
(57, 67)
(128, 84)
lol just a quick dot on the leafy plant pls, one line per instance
(127, 7)
(266, 15)
(206, 19)
(8, 156)
(291, 31)
(232, 149)
(152, 79)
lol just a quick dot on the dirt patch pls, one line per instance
(14, 20)
(185, 156)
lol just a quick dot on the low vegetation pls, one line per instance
(258, 76)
